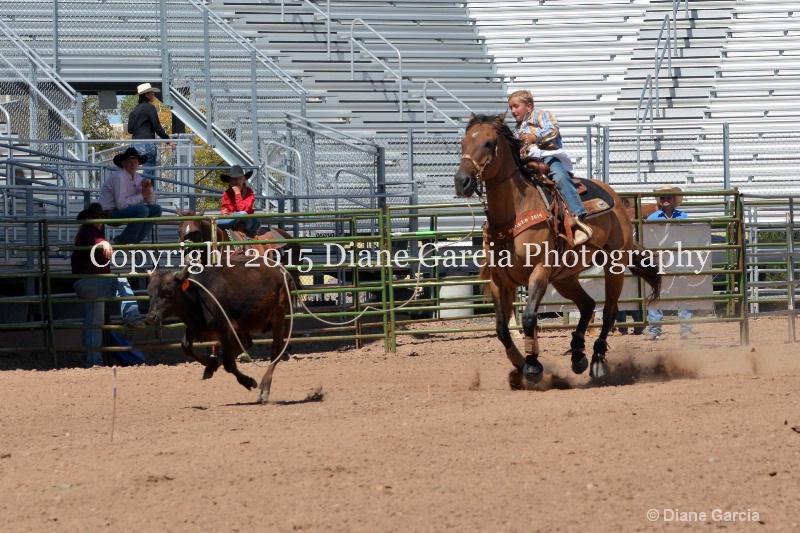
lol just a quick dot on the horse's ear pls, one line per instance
(502, 116)
(180, 213)
(201, 213)
(472, 117)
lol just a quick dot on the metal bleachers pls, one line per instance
(295, 35)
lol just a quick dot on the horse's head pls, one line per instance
(190, 230)
(482, 143)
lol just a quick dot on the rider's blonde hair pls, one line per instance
(523, 96)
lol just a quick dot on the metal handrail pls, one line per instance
(317, 128)
(268, 167)
(45, 69)
(8, 118)
(660, 52)
(426, 102)
(358, 175)
(266, 61)
(398, 75)
(63, 86)
(326, 14)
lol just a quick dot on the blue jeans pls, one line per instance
(250, 225)
(136, 232)
(565, 186)
(654, 315)
(622, 318)
(151, 151)
(94, 312)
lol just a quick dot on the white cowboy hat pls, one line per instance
(146, 88)
(675, 192)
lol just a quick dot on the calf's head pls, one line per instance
(165, 292)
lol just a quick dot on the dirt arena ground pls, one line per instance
(430, 439)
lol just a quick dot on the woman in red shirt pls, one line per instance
(238, 199)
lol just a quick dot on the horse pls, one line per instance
(196, 231)
(490, 158)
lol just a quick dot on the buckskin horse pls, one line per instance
(517, 214)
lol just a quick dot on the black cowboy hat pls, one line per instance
(236, 172)
(130, 153)
(93, 212)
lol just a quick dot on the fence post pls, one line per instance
(166, 98)
(207, 69)
(254, 107)
(381, 177)
(726, 156)
(790, 270)
(48, 293)
(56, 66)
(606, 150)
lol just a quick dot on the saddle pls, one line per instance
(263, 234)
(594, 198)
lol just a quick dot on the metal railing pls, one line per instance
(428, 102)
(325, 14)
(398, 74)
(38, 88)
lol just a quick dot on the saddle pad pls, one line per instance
(595, 199)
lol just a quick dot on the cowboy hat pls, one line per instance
(675, 192)
(130, 153)
(93, 212)
(146, 88)
(235, 172)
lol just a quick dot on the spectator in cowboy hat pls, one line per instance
(143, 124)
(91, 262)
(127, 194)
(668, 199)
(238, 199)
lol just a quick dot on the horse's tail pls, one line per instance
(649, 273)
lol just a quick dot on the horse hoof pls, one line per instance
(533, 372)
(579, 366)
(599, 368)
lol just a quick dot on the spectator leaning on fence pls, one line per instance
(95, 287)
(143, 124)
(668, 199)
(126, 194)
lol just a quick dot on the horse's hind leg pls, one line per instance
(537, 285)
(614, 282)
(571, 289)
(503, 300)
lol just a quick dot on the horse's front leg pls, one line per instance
(503, 301)
(537, 285)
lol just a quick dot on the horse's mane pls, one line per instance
(499, 124)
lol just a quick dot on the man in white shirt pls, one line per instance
(127, 194)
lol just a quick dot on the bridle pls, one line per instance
(481, 180)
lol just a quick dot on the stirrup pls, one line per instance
(581, 232)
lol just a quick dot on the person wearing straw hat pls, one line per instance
(90, 262)
(143, 124)
(127, 194)
(667, 200)
(238, 199)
